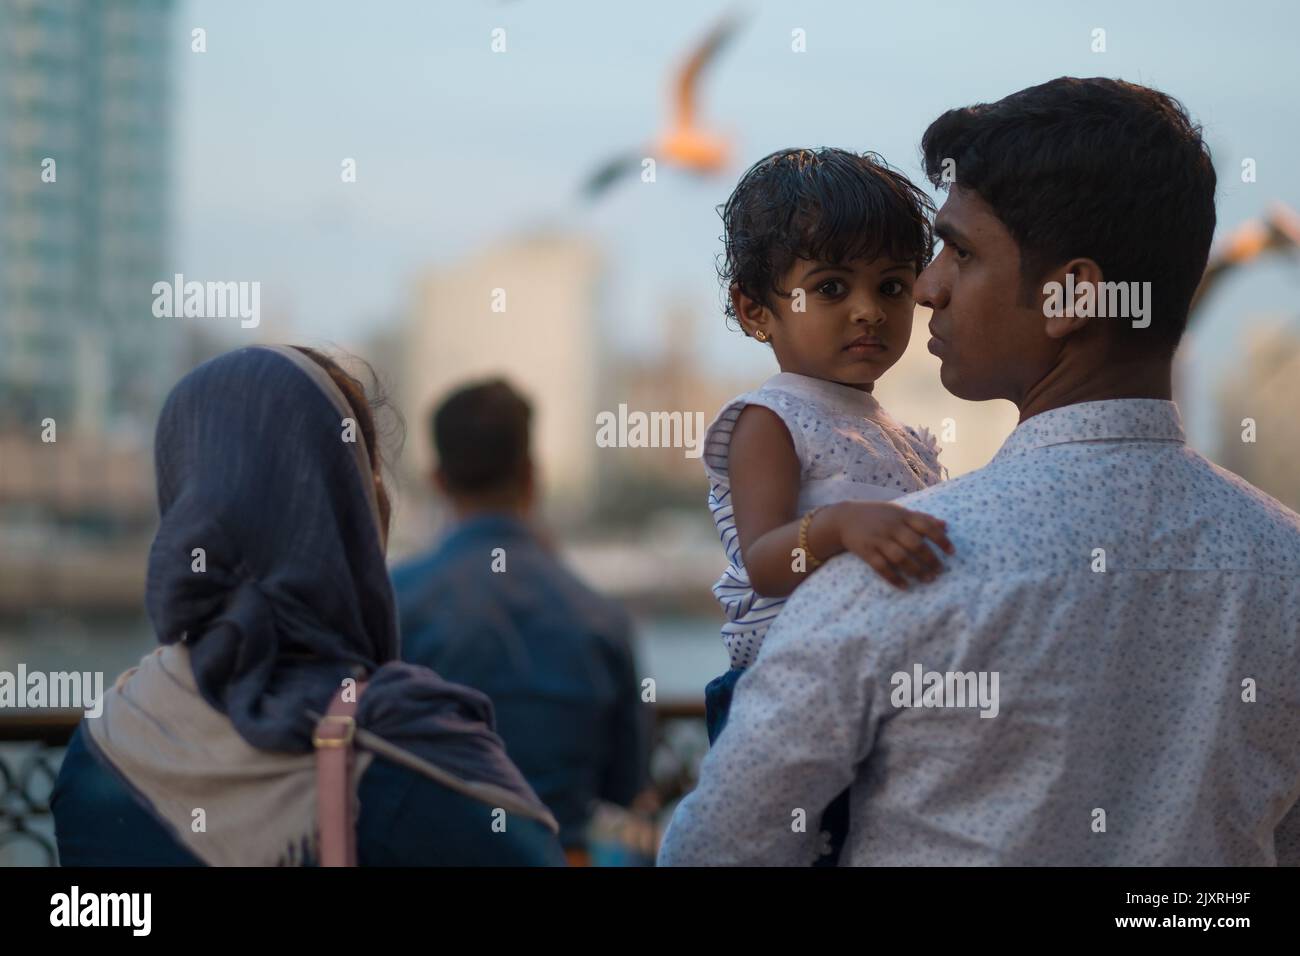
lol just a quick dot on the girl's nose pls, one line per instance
(870, 313)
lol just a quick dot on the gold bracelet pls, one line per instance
(813, 563)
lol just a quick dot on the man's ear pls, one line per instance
(1080, 279)
(751, 314)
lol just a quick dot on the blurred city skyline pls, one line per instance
(226, 164)
(460, 149)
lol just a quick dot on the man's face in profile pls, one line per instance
(990, 340)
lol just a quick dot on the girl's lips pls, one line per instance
(864, 348)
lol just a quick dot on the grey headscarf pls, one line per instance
(260, 466)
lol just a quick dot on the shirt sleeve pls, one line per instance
(803, 718)
(717, 437)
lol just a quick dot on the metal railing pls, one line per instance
(28, 770)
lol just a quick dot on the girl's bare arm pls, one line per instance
(764, 475)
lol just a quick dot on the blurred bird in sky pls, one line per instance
(685, 144)
(1279, 231)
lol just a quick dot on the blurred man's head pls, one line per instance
(1078, 181)
(481, 434)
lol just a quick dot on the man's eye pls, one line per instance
(961, 254)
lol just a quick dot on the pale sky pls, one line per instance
(458, 147)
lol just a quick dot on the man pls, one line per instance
(1108, 670)
(491, 607)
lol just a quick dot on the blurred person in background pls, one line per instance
(492, 607)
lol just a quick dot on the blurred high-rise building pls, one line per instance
(1258, 430)
(84, 186)
(526, 309)
(674, 379)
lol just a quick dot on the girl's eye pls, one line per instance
(893, 287)
(831, 287)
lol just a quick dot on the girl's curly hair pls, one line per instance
(826, 204)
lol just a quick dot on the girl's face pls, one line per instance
(842, 323)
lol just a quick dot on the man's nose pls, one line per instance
(929, 291)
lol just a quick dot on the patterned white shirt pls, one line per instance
(1147, 713)
(849, 449)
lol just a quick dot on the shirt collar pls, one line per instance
(844, 397)
(1135, 419)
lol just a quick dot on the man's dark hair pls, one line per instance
(1091, 168)
(825, 204)
(481, 433)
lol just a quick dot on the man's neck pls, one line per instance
(1147, 378)
(464, 511)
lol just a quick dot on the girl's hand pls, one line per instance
(892, 539)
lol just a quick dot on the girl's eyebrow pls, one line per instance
(823, 267)
(828, 267)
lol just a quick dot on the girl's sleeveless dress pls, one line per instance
(849, 449)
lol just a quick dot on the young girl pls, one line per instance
(822, 249)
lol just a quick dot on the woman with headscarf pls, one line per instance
(267, 589)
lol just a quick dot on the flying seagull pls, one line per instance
(1280, 231)
(684, 144)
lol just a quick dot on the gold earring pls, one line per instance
(761, 335)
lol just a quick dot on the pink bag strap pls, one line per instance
(334, 795)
